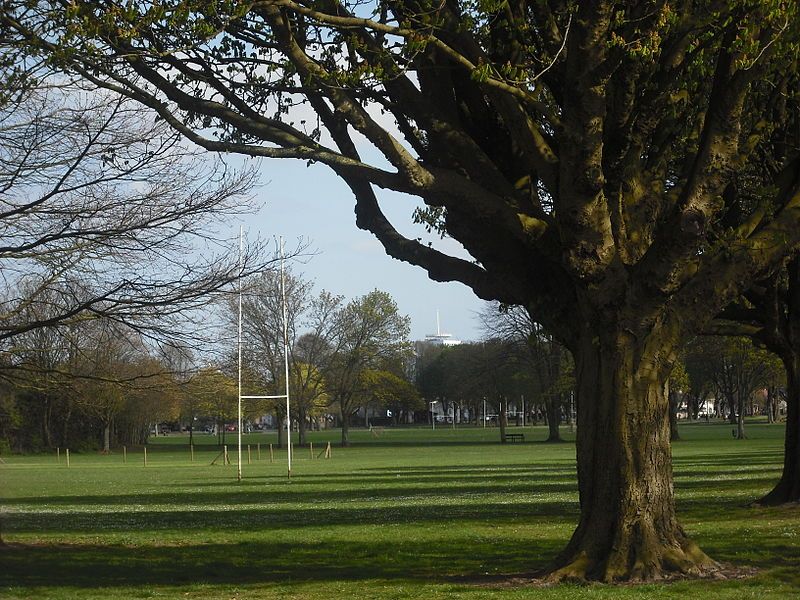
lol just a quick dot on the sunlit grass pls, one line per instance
(408, 514)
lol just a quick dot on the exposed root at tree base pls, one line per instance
(723, 572)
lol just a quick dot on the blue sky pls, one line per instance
(312, 203)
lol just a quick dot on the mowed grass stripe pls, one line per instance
(412, 514)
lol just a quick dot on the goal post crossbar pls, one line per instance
(262, 397)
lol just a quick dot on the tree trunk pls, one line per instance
(740, 417)
(65, 428)
(628, 529)
(281, 429)
(345, 429)
(106, 437)
(732, 417)
(552, 408)
(502, 421)
(788, 487)
(769, 404)
(301, 427)
(46, 433)
(674, 436)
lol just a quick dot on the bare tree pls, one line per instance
(105, 214)
(546, 359)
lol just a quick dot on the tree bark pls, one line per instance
(788, 487)
(628, 529)
(553, 407)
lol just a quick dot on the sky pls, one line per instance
(298, 201)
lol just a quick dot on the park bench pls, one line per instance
(515, 437)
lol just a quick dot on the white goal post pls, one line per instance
(285, 362)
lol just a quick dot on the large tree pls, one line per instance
(584, 153)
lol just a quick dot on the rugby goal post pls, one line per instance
(285, 363)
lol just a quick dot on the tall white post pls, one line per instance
(484, 413)
(239, 346)
(286, 367)
(523, 409)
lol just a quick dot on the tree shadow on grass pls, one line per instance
(455, 558)
(265, 562)
(258, 518)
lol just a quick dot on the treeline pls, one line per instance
(99, 384)
(83, 386)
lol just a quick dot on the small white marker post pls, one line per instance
(67, 457)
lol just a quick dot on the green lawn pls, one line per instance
(408, 514)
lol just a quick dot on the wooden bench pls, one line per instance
(515, 437)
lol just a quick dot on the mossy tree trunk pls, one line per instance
(628, 529)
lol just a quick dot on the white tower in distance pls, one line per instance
(439, 338)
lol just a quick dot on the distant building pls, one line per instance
(441, 339)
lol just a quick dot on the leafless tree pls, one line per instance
(104, 213)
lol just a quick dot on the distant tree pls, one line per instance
(367, 332)
(678, 383)
(263, 338)
(739, 369)
(548, 361)
(218, 395)
(699, 367)
(382, 389)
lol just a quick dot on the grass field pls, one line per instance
(408, 514)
